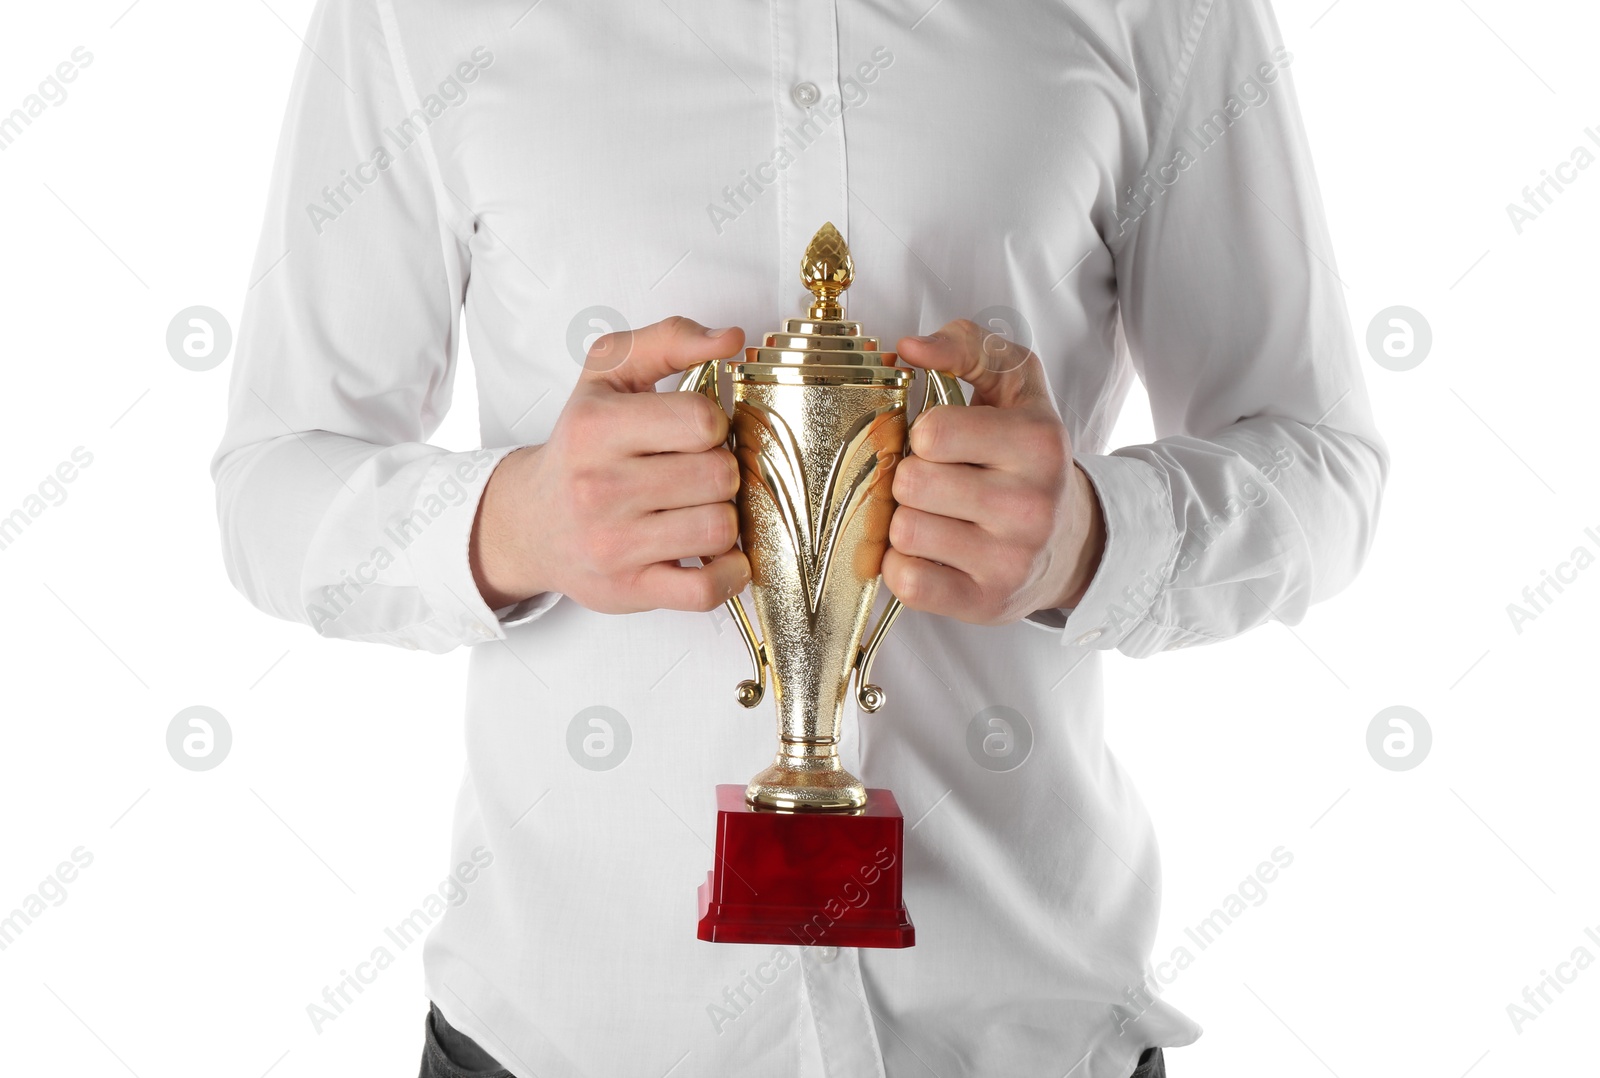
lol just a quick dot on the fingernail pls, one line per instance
(924, 340)
(719, 332)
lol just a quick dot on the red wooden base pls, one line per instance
(807, 878)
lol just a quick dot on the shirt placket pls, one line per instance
(841, 1020)
(809, 125)
(813, 188)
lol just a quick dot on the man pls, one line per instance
(1049, 196)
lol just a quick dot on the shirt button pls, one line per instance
(806, 94)
(827, 954)
(1091, 636)
(1176, 644)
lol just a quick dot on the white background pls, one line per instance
(219, 904)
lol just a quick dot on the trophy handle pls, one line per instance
(938, 388)
(702, 378)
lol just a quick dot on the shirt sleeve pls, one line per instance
(1262, 492)
(333, 509)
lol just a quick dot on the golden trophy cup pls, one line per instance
(819, 423)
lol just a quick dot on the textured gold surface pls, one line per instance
(816, 464)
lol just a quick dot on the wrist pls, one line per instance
(1085, 542)
(499, 551)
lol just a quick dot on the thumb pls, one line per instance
(634, 360)
(1001, 372)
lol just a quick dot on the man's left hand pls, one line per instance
(995, 520)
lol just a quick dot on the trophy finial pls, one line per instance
(826, 269)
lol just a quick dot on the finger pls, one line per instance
(1014, 439)
(961, 491)
(634, 360)
(676, 587)
(692, 532)
(1001, 372)
(959, 544)
(676, 480)
(926, 586)
(635, 424)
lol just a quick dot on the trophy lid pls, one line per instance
(821, 347)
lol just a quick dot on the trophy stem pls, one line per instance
(806, 776)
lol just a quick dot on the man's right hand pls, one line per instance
(630, 482)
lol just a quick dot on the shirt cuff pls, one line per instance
(441, 561)
(527, 610)
(1141, 547)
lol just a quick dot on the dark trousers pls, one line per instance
(449, 1053)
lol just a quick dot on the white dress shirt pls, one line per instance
(1126, 181)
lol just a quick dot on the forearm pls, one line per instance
(1267, 517)
(359, 541)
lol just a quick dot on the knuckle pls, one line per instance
(968, 329)
(1000, 355)
(726, 479)
(706, 420)
(586, 490)
(705, 594)
(677, 324)
(902, 529)
(911, 585)
(709, 476)
(1047, 442)
(929, 433)
(1000, 504)
(582, 412)
(609, 347)
(722, 529)
(589, 421)
(908, 481)
(591, 490)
